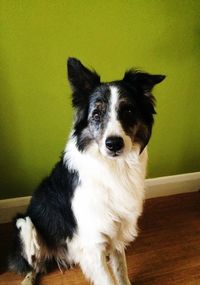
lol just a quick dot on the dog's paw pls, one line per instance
(29, 279)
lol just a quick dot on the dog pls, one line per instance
(86, 210)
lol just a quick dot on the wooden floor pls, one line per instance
(167, 251)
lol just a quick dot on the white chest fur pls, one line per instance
(109, 198)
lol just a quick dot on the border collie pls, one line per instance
(87, 209)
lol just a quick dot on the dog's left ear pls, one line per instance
(82, 80)
(143, 80)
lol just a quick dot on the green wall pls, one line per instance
(36, 37)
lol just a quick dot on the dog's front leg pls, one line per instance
(95, 268)
(119, 267)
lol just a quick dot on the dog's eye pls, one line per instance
(128, 111)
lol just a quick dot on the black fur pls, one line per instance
(83, 81)
(135, 88)
(51, 213)
(134, 100)
(82, 141)
(50, 208)
(138, 86)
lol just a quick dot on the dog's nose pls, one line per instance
(114, 143)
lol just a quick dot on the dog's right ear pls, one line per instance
(82, 80)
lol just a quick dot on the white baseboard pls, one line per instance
(155, 187)
(171, 185)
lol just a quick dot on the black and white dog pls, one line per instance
(88, 207)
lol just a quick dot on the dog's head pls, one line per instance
(115, 116)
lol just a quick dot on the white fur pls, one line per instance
(106, 204)
(28, 237)
(114, 127)
(119, 267)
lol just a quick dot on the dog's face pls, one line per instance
(115, 116)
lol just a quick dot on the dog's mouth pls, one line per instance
(114, 154)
